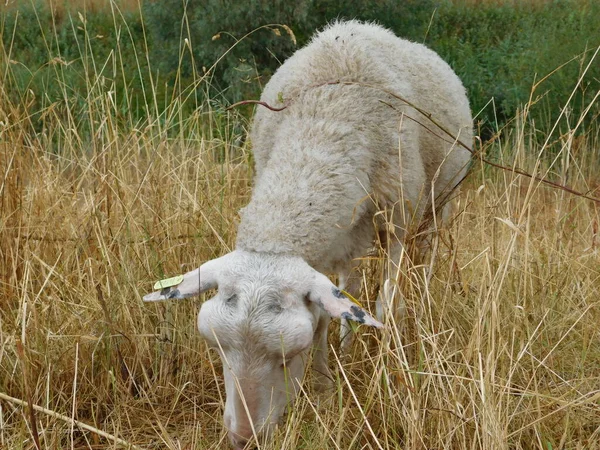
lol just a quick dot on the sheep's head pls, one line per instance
(262, 323)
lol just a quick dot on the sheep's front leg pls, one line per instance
(389, 301)
(320, 359)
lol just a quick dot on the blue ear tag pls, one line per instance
(352, 323)
(168, 282)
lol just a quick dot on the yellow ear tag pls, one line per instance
(174, 281)
(353, 324)
(352, 299)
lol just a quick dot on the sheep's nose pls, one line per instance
(237, 441)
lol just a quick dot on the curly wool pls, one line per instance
(344, 148)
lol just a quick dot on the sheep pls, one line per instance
(348, 143)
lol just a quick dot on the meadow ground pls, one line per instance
(500, 347)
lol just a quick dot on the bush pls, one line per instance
(66, 60)
(213, 27)
(499, 51)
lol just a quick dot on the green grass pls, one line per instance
(153, 54)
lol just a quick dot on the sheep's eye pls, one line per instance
(275, 308)
(232, 300)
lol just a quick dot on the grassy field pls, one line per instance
(500, 348)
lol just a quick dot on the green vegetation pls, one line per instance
(222, 50)
(500, 51)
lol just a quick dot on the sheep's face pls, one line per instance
(262, 327)
(262, 322)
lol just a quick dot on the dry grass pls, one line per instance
(508, 357)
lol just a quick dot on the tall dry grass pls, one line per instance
(499, 349)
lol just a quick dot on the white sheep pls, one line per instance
(345, 147)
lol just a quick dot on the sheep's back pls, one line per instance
(369, 55)
(352, 76)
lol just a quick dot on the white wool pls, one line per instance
(341, 152)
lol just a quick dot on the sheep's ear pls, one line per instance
(336, 304)
(195, 282)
